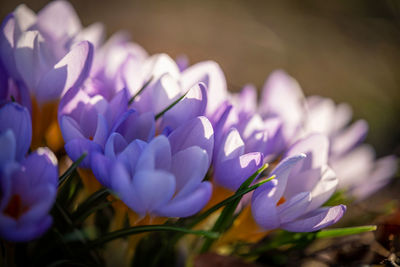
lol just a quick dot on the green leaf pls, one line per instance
(225, 219)
(336, 232)
(71, 169)
(93, 203)
(238, 195)
(284, 238)
(140, 90)
(159, 115)
(148, 228)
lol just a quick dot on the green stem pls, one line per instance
(71, 169)
(140, 90)
(159, 115)
(90, 204)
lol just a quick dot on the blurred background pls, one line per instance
(347, 50)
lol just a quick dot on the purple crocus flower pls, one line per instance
(116, 64)
(168, 83)
(304, 182)
(87, 121)
(32, 51)
(280, 90)
(16, 118)
(29, 190)
(11, 90)
(352, 161)
(245, 138)
(28, 184)
(232, 164)
(162, 177)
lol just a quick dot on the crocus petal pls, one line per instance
(157, 155)
(349, 138)
(165, 91)
(77, 147)
(133, 125)
(7, 170)
(281, 89)
(248, 98)
(316, 220)
(101, 167)
(384, 169)
(70, 128)
(42, 166)
(188, 205)
(196, 132)
(324, 189)
(121, 183)
(190, 174)
(130, 155)
(117, 106)
(294, 207)
(154, 189)
(7, 44)
(265, 211)
(94, 33)
(281, 172)
(101, 131)
(8, 147)
(25, 18)
(233, 172)
(17, 118)
(28, 58)
(343, 115)
(210, 73)
(232, 146)
(157, 65)
(11, 231)
(353, 167)
(321, 115)
(316, 147)
(115, 144)
(70, 71)
(191, 106)
(302, 181)
(41, 208)
(58, 20)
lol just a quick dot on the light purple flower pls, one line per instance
(357, 170)
(33, 50)
(168, 83)
(163, 177)
(28, 185)
(29, 190)
(282, 97)
(232, 165)
(361, 174)
(11, 90)
(87, 121)
(116, 65)
(304, 182)
(15, 118)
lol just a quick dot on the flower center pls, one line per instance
(281, 201)
(15, 208)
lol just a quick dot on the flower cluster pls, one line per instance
(167, 139)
